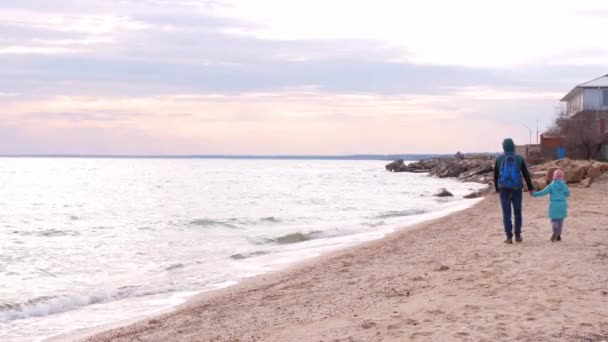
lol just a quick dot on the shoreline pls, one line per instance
(451, 278)
(416, 221)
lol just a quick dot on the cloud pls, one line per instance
(300, 120)
(144, 47)
(103, 115)
(473, 33)
(237, 76)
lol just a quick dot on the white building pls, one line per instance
(589, 97)
(589, 100)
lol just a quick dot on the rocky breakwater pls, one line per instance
(578, 172)
(481, 170)
(478, 169)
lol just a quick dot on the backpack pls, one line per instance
(510, 177)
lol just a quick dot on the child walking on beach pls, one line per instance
(558, 203)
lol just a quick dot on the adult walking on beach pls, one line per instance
(508, 172)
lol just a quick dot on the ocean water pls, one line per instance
(86, 242)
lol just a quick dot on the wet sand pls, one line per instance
(452, 279)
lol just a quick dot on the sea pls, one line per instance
(86, 242)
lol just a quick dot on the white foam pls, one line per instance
(52, 305)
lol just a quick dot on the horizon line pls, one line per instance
(368, 156)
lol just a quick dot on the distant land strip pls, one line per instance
(228, 156)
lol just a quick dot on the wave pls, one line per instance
(375, 224)
(400, 213)
(242, 256)
(233, 222)
(46, 233)
(270, 219)
(211, 223)
(48, 305)
(297, 237)
(174, 267)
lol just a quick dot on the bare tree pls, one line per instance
(557, 127)
(582, 134)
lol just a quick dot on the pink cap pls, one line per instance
(558, 174)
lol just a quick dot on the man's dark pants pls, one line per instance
(511, 198)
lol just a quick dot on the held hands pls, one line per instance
(531, 193)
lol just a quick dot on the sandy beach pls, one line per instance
(451, 279)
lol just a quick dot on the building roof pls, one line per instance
(600, 82)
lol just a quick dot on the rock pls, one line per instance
(564, 163)
(539, 184)
(472, 195)
(550, 174)
(488, 178)
(443, 192)
(479, 193)
(394, 166)
(450, 170)
(542, 183)
(594, 172)
(476, 171)
(469, 169)
(539, 174)
(535, 184)
(587, 182)
(587, 166)
(575, 175)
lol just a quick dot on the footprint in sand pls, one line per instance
(435, 312)
(410, 321)
(367, 324)
(420, 334)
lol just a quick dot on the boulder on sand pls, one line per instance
(587, 182)
(443, 192)
(594, 172)
(575, 175)
(479, 193)
(539, 184)
(539, 174)
(564, 163)
(587, 166)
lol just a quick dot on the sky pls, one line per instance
(289, 77)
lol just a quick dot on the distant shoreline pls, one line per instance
(383, 157)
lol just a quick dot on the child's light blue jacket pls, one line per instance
(559, 193)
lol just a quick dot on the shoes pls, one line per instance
(559, 238)
(553, 238)
(509, 241)
(518, 238)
